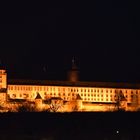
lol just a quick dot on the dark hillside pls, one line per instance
(69, 126)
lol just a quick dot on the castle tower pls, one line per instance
(3, 85)
(73, 74)
(38, 102)
(79, 102)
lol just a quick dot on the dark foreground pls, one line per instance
(70, 126)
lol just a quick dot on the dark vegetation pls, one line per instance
(70, 126)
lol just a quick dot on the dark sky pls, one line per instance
(103, 36)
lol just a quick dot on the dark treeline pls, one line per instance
(82, 126)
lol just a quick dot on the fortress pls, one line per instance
(66, 96)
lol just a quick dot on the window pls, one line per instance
(14, 95)
(44, 88)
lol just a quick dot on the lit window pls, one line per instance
(44, 88)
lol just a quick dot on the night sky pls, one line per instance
(38, 40)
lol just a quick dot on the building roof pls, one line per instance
(74, 84)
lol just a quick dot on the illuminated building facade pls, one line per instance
(67, 96)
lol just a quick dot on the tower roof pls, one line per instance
(78, 97)
(38, 96)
